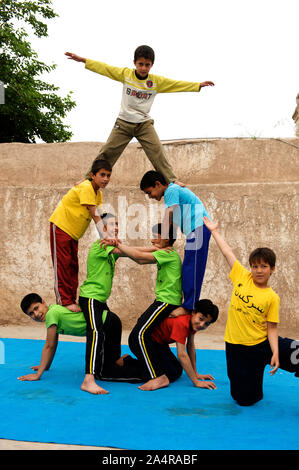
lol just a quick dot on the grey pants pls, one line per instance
(146, 135)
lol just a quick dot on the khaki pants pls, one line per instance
(146, 135)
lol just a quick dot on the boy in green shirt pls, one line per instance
(60, 320)
(101, 327)
(93, 296)
(168, 294)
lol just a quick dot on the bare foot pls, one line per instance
(73, 307)
(179, 311)
(155, 384)
(89, 385)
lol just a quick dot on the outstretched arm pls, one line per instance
(48, 354)
(75, 57)
(117, 241)
(168, 85)
(136, 254)
(222, 245)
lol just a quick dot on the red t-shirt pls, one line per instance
(173, 330)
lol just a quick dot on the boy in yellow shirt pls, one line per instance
(251, 333)
(68, 224)
(140, 88)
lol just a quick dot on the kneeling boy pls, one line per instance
(251, 333)
(168, 297)
(168, 292)
(179, 330)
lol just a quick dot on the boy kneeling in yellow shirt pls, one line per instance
(251, 333)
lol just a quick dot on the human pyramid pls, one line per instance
(177, 313)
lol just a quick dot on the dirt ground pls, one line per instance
(207, 340)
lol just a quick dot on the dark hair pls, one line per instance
(206, 307)
(265, 254)
(105, 216)
(28, 300)
(98, 165)
(144, 51)
(149, 179)
(171, 232)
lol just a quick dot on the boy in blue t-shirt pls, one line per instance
(185, 210)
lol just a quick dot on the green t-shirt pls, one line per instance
(67, 322)
(169, 277)
(100, 272)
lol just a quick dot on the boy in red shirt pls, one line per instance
(179, 330)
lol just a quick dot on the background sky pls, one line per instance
(248, 48)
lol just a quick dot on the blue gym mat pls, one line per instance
(180, 417)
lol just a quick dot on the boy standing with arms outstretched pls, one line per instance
(185, 210)
(139, 90)
(68, 224)
(251, 333)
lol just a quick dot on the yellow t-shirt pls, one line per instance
(249, 310)
(71, 215)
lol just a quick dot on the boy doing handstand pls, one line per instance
(140, 88)
(251, 333)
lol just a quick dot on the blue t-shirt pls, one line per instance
(189, 211)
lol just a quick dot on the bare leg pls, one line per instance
(89, 385)
(155, 384)
(154, 150)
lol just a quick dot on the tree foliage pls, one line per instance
(32, 107)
